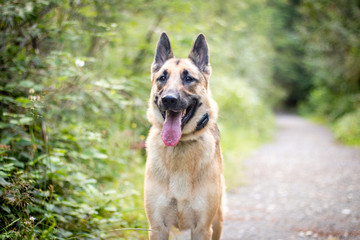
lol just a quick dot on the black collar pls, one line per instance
(202, 123)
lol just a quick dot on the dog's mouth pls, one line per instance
(174, 122)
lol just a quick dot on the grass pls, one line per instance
(237, 144)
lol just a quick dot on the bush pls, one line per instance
(347, 128)
(59, 167)
(328, 32)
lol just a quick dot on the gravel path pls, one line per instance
(303, 185)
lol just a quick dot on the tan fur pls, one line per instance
(184, 184)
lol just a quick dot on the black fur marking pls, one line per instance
(177, 62)
(173, 202)
(164, 222)
(156, 103)
(203, 122)
(186, 78)
(191, 111)
(162, 79)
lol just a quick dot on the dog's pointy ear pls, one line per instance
(200, 54)
(163, 52)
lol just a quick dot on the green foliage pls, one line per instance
(317, 57)
(60, 171)
(347, 128)
(244, 122)
(329, 32)
(289, 70)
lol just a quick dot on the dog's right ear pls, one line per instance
(163, 52)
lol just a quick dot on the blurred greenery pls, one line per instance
(75, 83)
(331, 43)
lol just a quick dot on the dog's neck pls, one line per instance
(202, 122)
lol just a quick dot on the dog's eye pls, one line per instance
(162, 78)
(189, 79)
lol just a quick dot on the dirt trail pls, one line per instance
(303, 185)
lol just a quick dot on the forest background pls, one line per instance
(74, 85)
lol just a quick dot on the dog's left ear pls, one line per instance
(200, 54)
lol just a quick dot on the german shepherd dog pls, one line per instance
(183, 179)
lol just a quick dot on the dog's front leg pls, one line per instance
(205, 217)
(159, 229)
(157, 210)
(158, 233)
(201, 233)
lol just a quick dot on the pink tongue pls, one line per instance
(171, 131)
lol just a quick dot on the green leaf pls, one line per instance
(6, 208)
(26, 84)
(33, 162)
(3, 174)
(8, 167)
(22, 100)
(18, 163)
(3, 182)
(25, 120)
(3, 125)
(100, 155)
(14, 161)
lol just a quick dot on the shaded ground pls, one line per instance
(303, 185)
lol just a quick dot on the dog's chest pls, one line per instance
(183, 176)
(180, 186)
(187, 169)
(184, 201)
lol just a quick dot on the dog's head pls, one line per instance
(180, 95)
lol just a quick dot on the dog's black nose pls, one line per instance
(170, 101)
